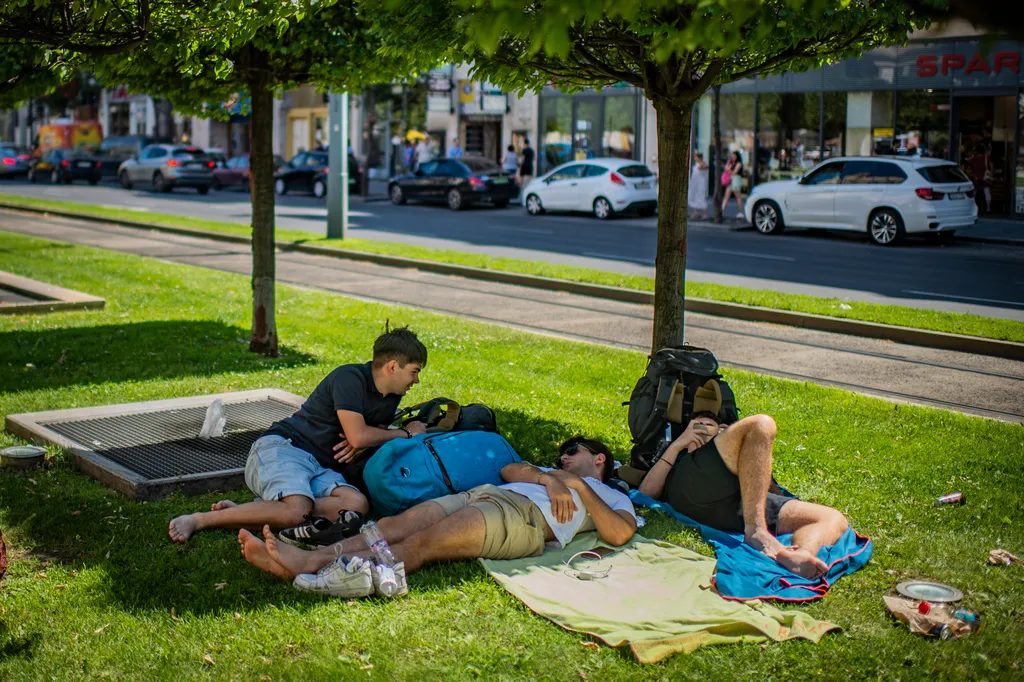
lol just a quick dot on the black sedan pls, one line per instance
(307, 172)
(457, 182)
(14, 161)
(65, 166)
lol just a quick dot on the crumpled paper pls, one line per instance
(1000, 557)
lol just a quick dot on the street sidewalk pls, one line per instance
(982, 385)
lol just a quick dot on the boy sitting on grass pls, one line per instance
(299, 469)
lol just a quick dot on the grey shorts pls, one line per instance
(277, 469)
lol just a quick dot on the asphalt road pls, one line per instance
(959, 277)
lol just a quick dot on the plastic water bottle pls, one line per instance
(382, 557)
(213, 424)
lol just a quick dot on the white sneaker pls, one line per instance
(392, 588)
(344, 577)
(739, 215)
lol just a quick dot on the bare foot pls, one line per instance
(764, 542)
(292, 558)
(223, 504)
(801, 562)
(255, 552)
(181, 528)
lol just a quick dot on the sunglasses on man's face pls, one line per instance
(571, 450)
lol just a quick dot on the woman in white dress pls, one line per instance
(697, 197)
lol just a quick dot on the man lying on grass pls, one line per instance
(535, 506)
(299, 469)
(722, 477)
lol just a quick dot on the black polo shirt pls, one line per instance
(315, 427)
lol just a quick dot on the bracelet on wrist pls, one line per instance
(540, 476)
(407, 434)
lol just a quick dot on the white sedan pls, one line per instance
(602, 186)
(889, 197)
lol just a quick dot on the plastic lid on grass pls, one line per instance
(928, 591)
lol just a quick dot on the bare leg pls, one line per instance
(278, 514)
(746, 449)
(813, 526)
(398, 528)
(456, 537)
(739, 201)
(725, 199)
(341, 498)
(255, 552)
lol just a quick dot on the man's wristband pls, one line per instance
(407, 434)
(540, 475)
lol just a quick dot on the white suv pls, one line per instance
(888, 196)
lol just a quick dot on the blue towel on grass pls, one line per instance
(744, 573)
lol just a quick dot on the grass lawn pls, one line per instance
(96, 589)
(954, 323)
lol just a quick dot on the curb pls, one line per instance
(990, 240)
(839, 325)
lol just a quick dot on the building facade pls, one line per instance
(955, 97)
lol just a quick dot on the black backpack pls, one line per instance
(444, 414)
(687, 365)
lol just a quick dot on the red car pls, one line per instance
(236, 172)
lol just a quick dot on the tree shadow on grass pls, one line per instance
(162, 349)
(74, 523)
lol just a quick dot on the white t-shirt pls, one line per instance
(564, 532)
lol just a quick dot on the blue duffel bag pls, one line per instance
(406, 471)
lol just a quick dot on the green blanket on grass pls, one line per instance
(657, 599)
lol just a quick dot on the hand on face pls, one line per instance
(698, 432)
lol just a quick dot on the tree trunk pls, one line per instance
(718, 165)
(261, 186)
(673, 205)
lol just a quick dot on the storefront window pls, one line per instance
(869, 123)
(1019, 180)
(556, 141)
(787, 134)
(737, 121)
(835, 124)
(922, 123)
(619, 136)
(588, 126)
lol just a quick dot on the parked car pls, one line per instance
(307, 172)
(603, 186)
(236, 172)
(66, 166)
(166, 166)
(888, 197)
(218, 156)
(457, 182)
(13, 162)
(114, 151)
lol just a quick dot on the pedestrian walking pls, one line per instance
(424, 152)
(697, 198)
(455, 151)
(409, 156)
(526, 164)
(510, 162)
(732, 180)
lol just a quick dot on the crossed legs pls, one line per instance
(746, 449)
(418, 536)
(283, 513)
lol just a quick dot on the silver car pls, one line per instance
(166, 166)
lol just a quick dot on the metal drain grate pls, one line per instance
(163, 444)
(150, 450)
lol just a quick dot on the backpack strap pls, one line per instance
(656, 419)
(450, 418)
(432, 413)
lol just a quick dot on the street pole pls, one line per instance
(716, 168)
(337, 162)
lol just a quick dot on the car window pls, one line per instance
(316, 160)
(825, 175)
(568, 173)
(595, 171)
(943, 173)
(449, 169)
(156, 153)
(481, 165)
(187, 151)
(888, 173)
(859, 173)
(428, 167)
(636, 171)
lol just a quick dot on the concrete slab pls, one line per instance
(20, 295)
(975, 384)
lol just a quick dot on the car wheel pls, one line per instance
(319, 189)
(455, 202)
(280, 187)
(54, 177)
(768, 218)
(500, 203)
(67, 179)
(160, 183)
(603, 209)
(203, 190)
(125, 182)
(533, 205)
(885, 227)
(216, 185)
(397, 195)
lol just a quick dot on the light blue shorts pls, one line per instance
(276, 469)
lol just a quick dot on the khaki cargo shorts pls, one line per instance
(514, 526)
